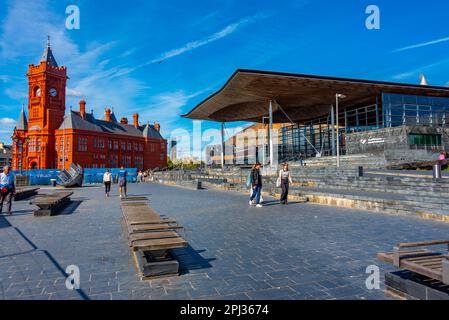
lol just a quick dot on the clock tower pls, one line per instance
(46, 108)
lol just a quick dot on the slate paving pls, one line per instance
(300, 251)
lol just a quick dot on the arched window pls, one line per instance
(37, 91)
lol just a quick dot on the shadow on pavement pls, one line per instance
(70, 209)
(190, 259)
(4, 223)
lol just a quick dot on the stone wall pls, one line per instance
(387, 139)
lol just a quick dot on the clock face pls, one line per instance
(53, 92)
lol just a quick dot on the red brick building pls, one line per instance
(50, 139)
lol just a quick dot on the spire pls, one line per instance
(113, 118)
(423, 80)
(48, 55)
(22, 124)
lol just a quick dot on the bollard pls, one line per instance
(437, 171)
(360, 171)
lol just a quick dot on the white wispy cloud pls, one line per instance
(167, 108)
(7, 122)
(423, 44)
(416, 71)
(92, 76)
(226, 31)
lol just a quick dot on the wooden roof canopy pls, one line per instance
(246, 95)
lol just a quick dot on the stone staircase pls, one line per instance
(401, 195)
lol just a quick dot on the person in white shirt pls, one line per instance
(7, 189)
(285, 180)
(107, 180)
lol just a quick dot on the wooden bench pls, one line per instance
(151, 238)
(51, 204)
(411, 256)
(25, 193)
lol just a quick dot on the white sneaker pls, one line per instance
(250, 203)
(120, 196)
(259, 206)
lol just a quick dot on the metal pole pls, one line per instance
(333, 129)
(222, 146)
(63, 146)
(338, 133)
(263, 143)
(270, 111)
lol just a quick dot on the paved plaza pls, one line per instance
(300, 251)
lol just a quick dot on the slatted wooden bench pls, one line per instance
(151, 238)
(51, 204)
(434, 265)
(25, 193)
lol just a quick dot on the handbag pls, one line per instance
(4, 190)
(278, 182)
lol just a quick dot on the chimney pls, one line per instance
(83, 109)
(107, 115)
(124, 120)
(136, 119)
(157, 126)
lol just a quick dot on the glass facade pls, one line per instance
(413, 110)
(390, 110)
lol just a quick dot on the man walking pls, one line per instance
(122, 174)
(7, 189)
(107, 180)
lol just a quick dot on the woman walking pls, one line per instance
(285, 180)
(107, 180)
(256, 185)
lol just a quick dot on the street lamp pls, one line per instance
(264, 146)
(337, 97)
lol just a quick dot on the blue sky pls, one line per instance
(113, 60)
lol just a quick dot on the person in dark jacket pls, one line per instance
(256, 184)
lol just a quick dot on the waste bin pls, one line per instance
(53, 182)
(437, 171)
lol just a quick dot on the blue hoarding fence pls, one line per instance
(91, 176)
(96, 175)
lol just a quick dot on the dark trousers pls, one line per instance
(107, 186)
(284, 187)
(8, 197)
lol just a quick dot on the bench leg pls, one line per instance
(396, 257)
(445, 270)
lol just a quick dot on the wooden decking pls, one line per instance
(25, 193)
(434, 265)
(51, 204)
(150, 237)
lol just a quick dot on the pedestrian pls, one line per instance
(107, 180)
(139, 176)
(284, 181)
(122, 174)
(256, 184)
(7, 189)
(301, 159)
